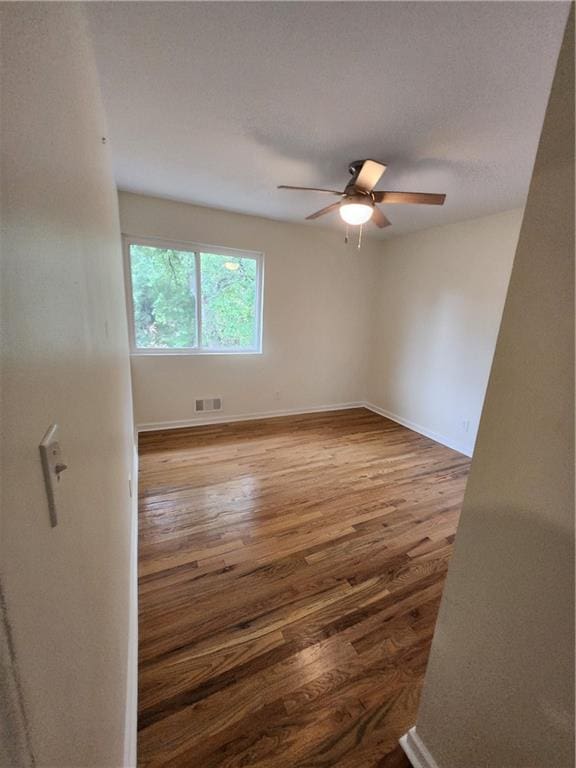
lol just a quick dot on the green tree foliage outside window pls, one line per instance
(228, 301)
(166, 302)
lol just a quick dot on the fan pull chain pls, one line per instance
(346, 235)
(360, 237)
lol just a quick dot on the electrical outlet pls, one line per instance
(276, 395)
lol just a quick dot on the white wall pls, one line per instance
(499, 688)
(315, 318)
(438, 299)
(64, 359)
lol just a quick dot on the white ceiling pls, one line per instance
(216, 103)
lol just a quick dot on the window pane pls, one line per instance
(229, 302)
(164, 297)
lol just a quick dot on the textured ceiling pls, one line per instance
(216, 103)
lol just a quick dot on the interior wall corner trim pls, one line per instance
(436, 436)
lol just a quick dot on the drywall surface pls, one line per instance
(450, 95)
(64, 360)
(315, 317)
(499, 689)
(438, 299)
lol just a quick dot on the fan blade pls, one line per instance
(379, 219)
(425, 198)
(369, 175)
(328, 209)
(312, 189)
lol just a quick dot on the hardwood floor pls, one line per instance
(290, 575)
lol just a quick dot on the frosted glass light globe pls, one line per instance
(355, 211)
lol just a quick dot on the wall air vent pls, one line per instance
(208, 404)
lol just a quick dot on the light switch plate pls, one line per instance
(53, 465)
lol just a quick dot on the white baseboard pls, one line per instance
(219, 418)
(131, 715)
(227, 419)
(437, 437)
(416, 751)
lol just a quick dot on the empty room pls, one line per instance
(287, 384)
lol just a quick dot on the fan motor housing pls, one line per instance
(355, 196)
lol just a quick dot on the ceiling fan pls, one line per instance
(358, 204)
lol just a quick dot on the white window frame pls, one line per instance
(197, 248)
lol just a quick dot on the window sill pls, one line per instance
(193, 352)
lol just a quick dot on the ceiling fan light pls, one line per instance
(355, 212)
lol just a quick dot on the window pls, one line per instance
(188, 299)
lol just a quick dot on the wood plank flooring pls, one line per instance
(290, 575)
